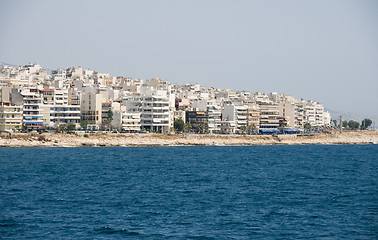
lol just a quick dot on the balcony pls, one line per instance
(32, 116)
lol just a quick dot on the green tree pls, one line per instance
(243, 129)
(110, 118)
(366, 123)
(251, 129)
(83, 124)
(71, 127)
(345, 124)
(179, 125)
(335, 122)
(307, 126)
(62, 127)
(353, 125)
(202, 128)
(187, 127)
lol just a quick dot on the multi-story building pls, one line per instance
(59, 74)
(179, 114)
(214, 111)
(269, 114)
(61, 97)
(237, 113)
(91, 107)
(126, 121)
(299, 114)
(54, 115)
(5, 94)
(10, 117)
(155, 111)
(32, 110)
(253, 117)
(198, 120)
(109, 106)
(51, 99)
(287, 111)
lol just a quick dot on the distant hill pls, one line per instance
(13, 65)
(8, 64)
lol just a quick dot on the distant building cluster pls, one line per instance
(32, 98)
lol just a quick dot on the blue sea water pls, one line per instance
(196, 192)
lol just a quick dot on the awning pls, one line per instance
(291, 130)
(34, 123)
(268, 130)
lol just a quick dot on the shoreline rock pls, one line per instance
(104, 140)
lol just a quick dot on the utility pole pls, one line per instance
(341, 124)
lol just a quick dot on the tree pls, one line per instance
(307, 126)
(83, 124)
(179, 125)
(187, 127)
(251, 129)
(24, 128)
(366, 123)
(345, 124)
(335, 122)
(202, 128)
(71, 127)
(110, 118)
(243, 129)
(62, 127)
(353, 125)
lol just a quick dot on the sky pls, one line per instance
(323, 50)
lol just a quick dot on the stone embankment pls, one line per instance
(78, 140)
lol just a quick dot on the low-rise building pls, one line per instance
(126, 121)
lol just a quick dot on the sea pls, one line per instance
(189, 192)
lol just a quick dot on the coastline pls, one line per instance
(78, 140)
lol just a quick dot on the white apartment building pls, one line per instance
(155, 111)
(54, 115)
(126, 121)
(32, 111)
(58, 74)
(214, 111)
(61, 97)
(237, 113)
(313, 114)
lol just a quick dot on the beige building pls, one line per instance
(269, 114)
(10, 117)
(91, 107)
(5, 94)
(113, 106)
(287, 111)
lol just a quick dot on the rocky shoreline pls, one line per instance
(81, 140)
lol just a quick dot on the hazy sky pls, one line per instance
(320, 50)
